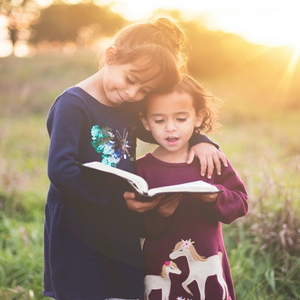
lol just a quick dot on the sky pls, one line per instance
(268, 22)
(271, 22)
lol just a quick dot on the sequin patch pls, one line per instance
(113, 146)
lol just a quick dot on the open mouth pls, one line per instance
(172, 139)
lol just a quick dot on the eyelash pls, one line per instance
(129, 80)
(178, 119)
(181, 119)
(132, 82)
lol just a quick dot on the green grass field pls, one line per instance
(262, 143)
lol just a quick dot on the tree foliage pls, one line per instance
(20, 15)
(77, 23)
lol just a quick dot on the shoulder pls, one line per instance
(73, 95)
(144, 159)
(143, 163)
(75, 101)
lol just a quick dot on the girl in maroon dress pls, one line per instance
(184, 252)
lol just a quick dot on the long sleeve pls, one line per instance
(232, 202)
(69, 125)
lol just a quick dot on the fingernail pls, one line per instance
(219, 173)
(209, 177)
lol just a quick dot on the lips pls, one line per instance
(172, 139)
(121, 98)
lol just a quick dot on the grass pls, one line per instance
(263, 247)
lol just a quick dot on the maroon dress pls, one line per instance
(184, 255)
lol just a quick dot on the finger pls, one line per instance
(210, 167)
(191, 156)
(142, 207)
(203, 165)
(217, 163)
(223, 158)
(129, 195)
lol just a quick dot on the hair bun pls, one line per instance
(169, 28)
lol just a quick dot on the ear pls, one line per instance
(200, 117)
(110, 54)
(144, 121)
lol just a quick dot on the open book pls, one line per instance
(141, 186)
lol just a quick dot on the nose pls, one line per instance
(132, 92)
(170, 126)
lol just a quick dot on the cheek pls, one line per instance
(156, 130)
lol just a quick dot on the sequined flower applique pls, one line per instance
(112, 146)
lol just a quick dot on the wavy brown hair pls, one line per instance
(202, 99)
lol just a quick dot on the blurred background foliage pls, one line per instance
(260, 115)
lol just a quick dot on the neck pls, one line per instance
(94, 86)
(179, 156)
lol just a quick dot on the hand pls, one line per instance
(207, 198)
(208, 156)
(168, 205)
(134, 204)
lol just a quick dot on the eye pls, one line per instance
(159, 121)
(182, 119)
(145, 91)
(129, 80)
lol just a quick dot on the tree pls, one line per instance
(20, 15)
(77, 23)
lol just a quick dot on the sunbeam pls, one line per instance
(285, 83)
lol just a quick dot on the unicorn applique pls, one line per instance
(200, 267)
(161, 282)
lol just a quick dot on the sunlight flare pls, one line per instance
(285, 83)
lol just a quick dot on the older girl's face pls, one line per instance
(124, 83)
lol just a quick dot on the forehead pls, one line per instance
(173, 102)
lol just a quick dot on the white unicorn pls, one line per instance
(161, 282)
(200, 267)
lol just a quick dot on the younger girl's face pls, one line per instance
(172, 118)
(124, 83)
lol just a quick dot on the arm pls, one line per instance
(232, 202)
(67, 122)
